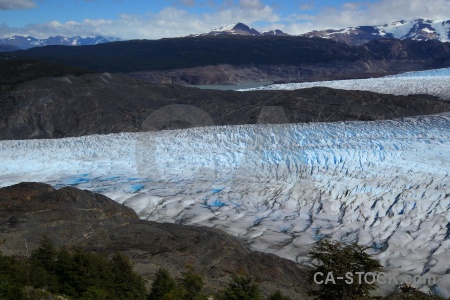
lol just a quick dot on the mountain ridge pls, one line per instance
(27, 42)
(106, 103)
(420, 29)
(274, 58)
(242, 29)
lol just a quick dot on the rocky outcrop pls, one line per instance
(406, 50)
(76, 218)
(14, 72)
(107, 103)
(232, 59)
(387, 57)
(389, 62)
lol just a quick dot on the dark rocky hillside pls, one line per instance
(175, 53)
(13, 72)
(336, 70)
(405, 50)
(8, 48)
(275, 58)
(77, 218)
(108, 103)
(380, 57)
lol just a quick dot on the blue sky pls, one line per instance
(149, 19)
(78, 10)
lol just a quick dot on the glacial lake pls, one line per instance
(246, 85)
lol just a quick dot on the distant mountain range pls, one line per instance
(7, 48)
(26, 42)
(241, 29)
(418, 29)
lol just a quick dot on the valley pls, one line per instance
(233, 151)
(279, 188)
(69, 106)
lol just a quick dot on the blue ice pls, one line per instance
(136, 188)
(216, 191)
(76, 181)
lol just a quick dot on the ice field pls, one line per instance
(280, 188)
(432, 82)
(444, 72)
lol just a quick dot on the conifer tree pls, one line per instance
(339, 259)
(278, 296)
(162, 285)
(242, 288)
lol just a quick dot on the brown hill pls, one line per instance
(73, 218)
(104, 103)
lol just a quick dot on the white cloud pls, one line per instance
(177, 21)
(16, 4)
(250, 4)
(169, 22)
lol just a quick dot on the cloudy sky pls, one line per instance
(149, 19)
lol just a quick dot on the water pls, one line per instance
(247, 85)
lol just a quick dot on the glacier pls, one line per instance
(432, 82)
(280, 188)
(442, 72)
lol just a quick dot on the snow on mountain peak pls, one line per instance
(420, 29)
(237, 28)
(243, 29)
(226, 27)
(26, 42)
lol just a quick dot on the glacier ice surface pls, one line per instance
(443, 72)
(432, 82)
(280, 188)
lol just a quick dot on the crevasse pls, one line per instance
(280, 188)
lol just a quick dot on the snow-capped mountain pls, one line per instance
(275, 32)
(242, 29)
(238, 28)
(26, 42)
(418, 29)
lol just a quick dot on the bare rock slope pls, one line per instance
(107, 103)
(73, 217)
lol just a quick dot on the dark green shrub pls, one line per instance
(241, 288)
(75, 275)
(126, 284)
(193, 284)
(162, 285)
(278, 296)
(340, 260)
